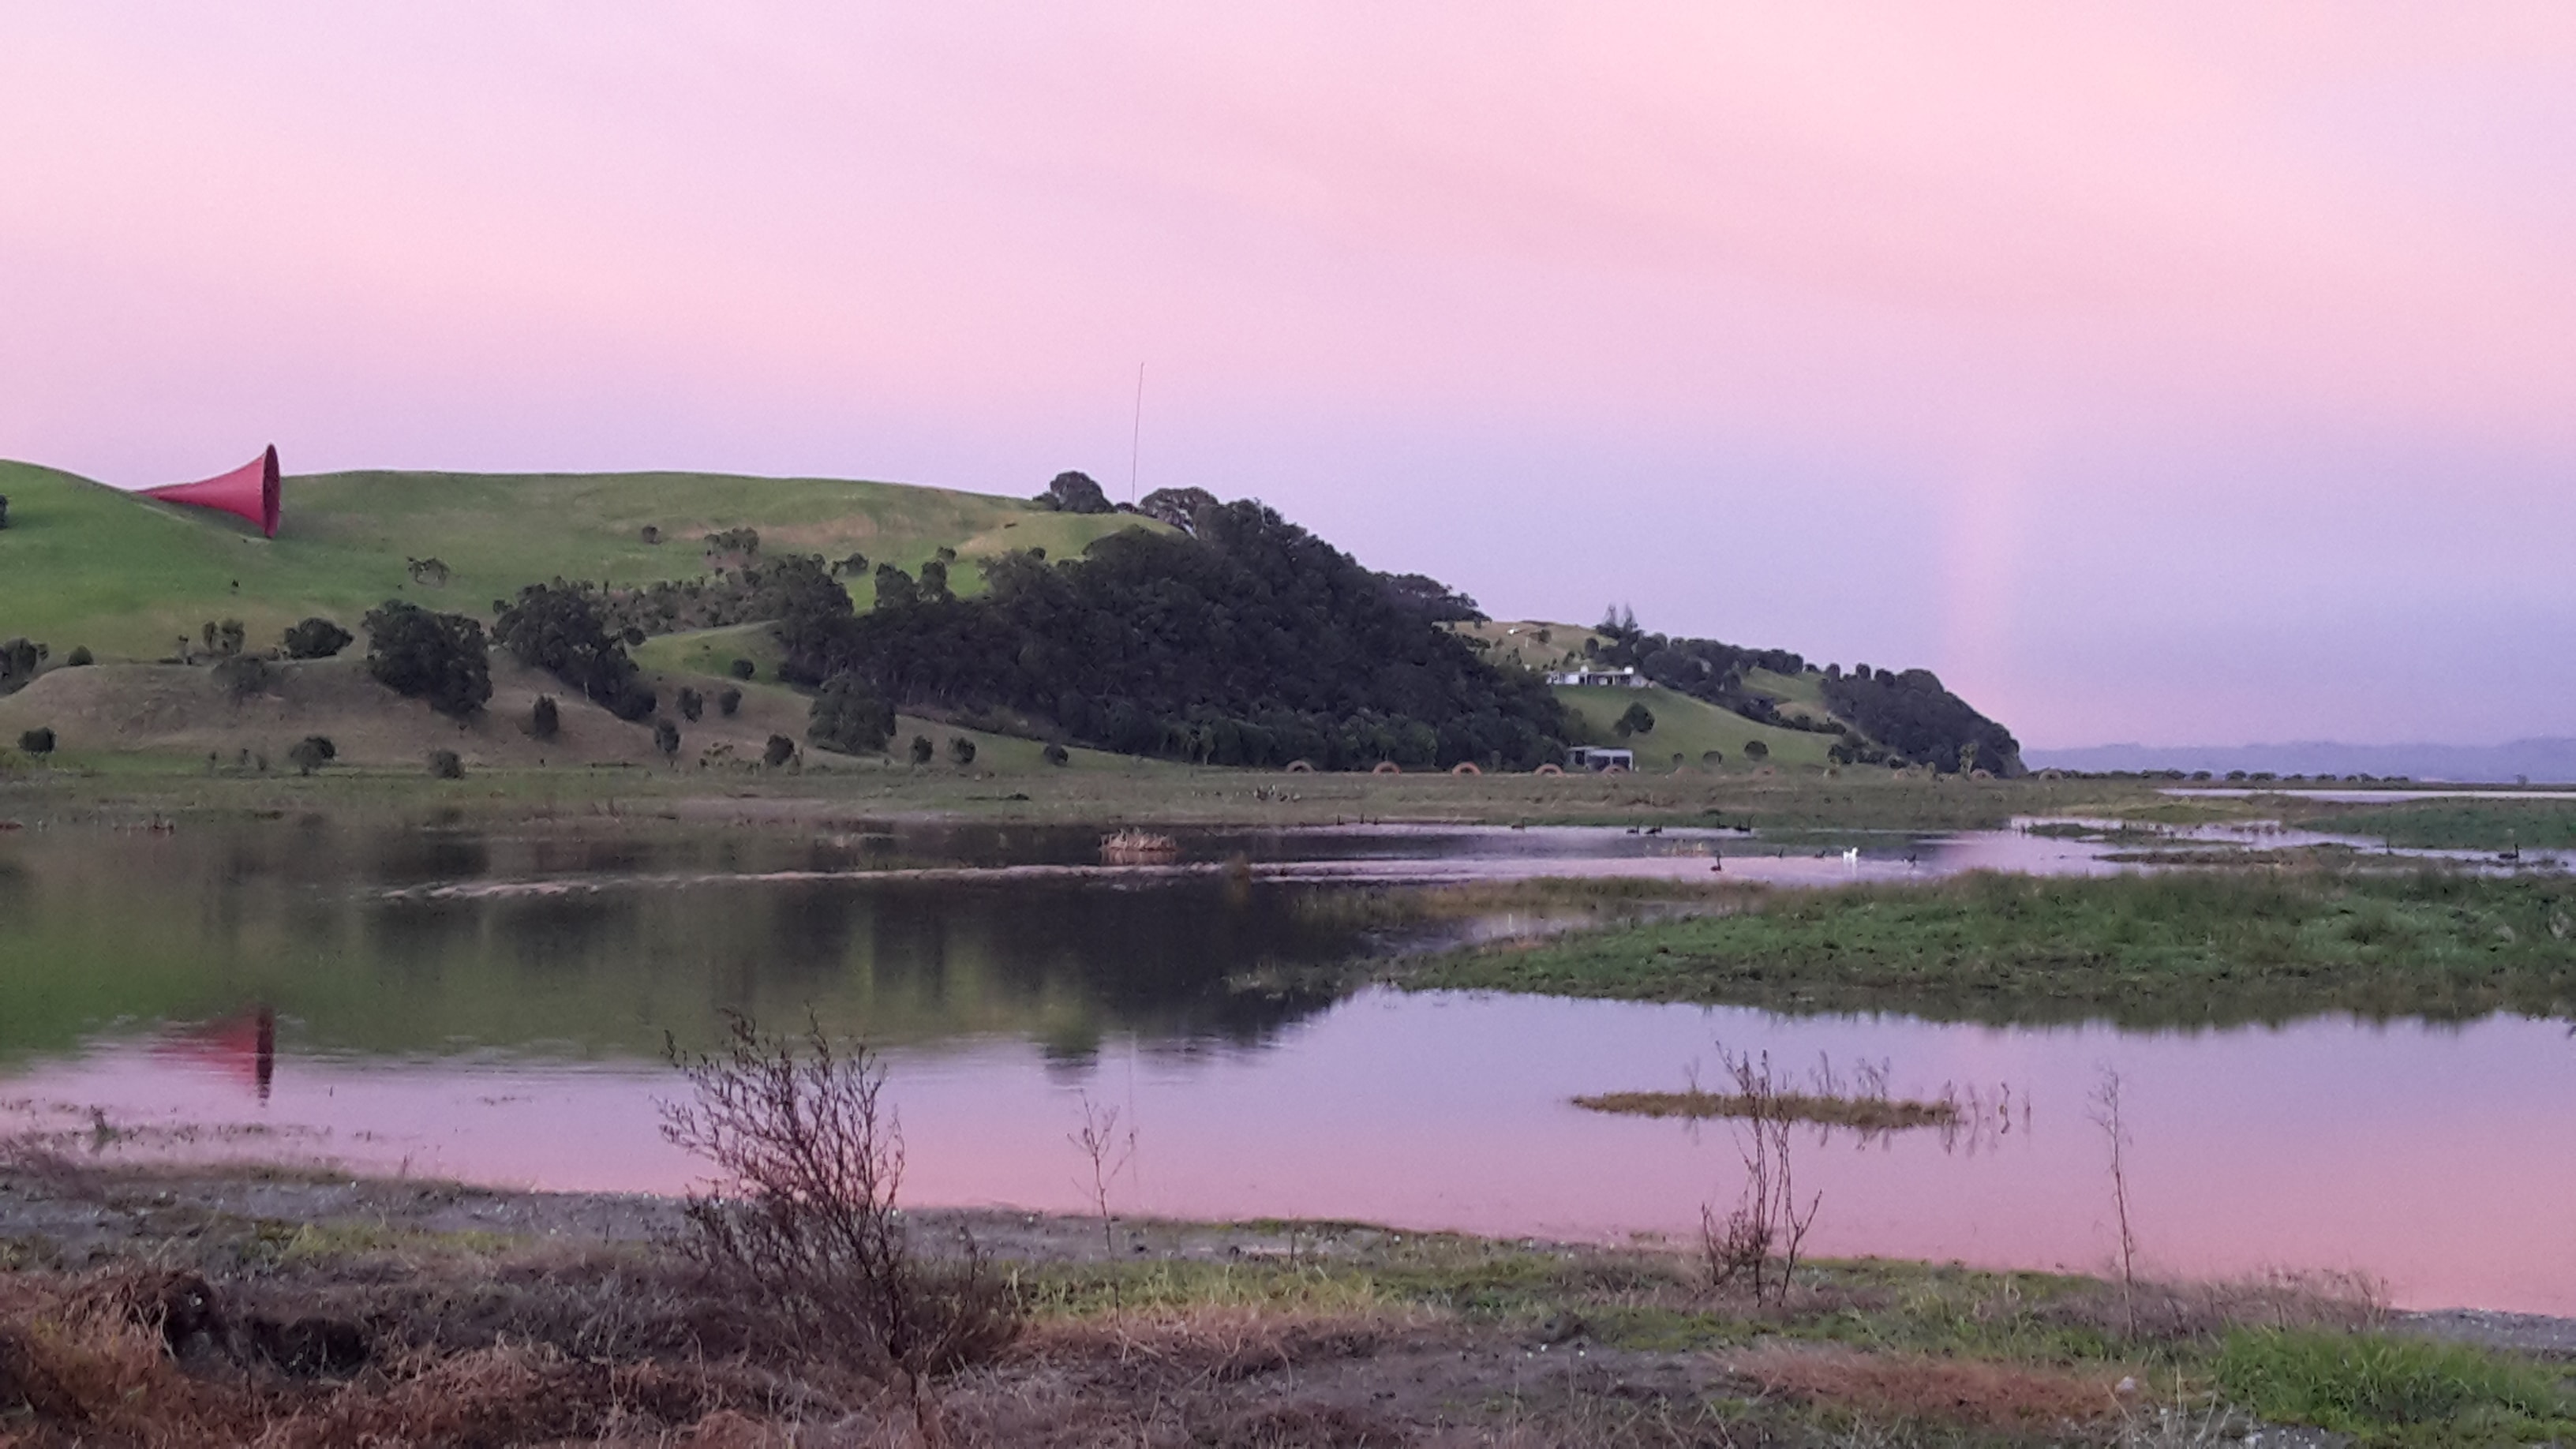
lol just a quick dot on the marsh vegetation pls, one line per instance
(2141, 950)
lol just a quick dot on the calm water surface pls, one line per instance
(491, 1007)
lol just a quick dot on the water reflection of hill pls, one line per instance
(593, 944)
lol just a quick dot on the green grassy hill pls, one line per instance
(85, 564)
(1687, 727)
(1683, 725)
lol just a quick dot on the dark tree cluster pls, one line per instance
(20, 659)
(849, 718)
(1252, 643)
(441, 658)
(556, 628)
(1074, 493)
(310, 754)
(4, 510)
(1432, 599)
(316, 638)
(1179, 507)
(733, 543)
(226, 639)
(1918, 720)
(753, 593)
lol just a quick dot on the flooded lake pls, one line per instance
(493, 1007)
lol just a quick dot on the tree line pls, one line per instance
(1244, 640)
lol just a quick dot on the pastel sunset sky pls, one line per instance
(2194, 372)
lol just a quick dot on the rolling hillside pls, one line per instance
(1689, 728)
(1713, 696)
(83, 564)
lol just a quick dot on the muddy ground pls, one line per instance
(393, 1312)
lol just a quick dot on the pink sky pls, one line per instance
(2174, 373)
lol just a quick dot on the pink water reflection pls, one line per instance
(2442, 1159)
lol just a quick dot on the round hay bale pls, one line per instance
(1550, 768)
(1300, 767)
(1465, 767)
(1386, 767)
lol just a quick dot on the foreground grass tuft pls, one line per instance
(2393, 1390)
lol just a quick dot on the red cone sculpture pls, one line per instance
(249, 491)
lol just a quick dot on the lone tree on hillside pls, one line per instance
(38, 741)
(1074, 493)
(666, 738)
(19, 661)
(316, 638)
(545, 718)
(781, 750)
(4, 510)
(923, 750)
(727, 701)
(1639, 720)
(437, 657)
(311, 753)
(242, 675)
(961, 749)
(895, 588)
(850, 718)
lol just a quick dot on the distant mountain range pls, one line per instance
(2551, 760)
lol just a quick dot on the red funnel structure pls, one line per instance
(249, 492)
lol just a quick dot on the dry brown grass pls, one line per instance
(1216, 1344)
(1981, 1394)
(120, 1357)
(2205, 1312)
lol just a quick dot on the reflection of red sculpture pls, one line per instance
(249, 491)
(246, 1045)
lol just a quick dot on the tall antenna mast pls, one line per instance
(1136, 440)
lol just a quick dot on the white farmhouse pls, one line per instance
(1598, 679)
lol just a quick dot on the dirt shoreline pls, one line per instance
(73, 1214)
(293, 1306)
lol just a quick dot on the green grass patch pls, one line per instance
(1689, 728)
(2141, 950)
(2388, 1389)
(2456, 824)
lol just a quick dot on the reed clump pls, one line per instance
(1868, 1114)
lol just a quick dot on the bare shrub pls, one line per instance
(1109, 1154)
(2106, 1115)
(805, 1222)
(1765, 1223)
